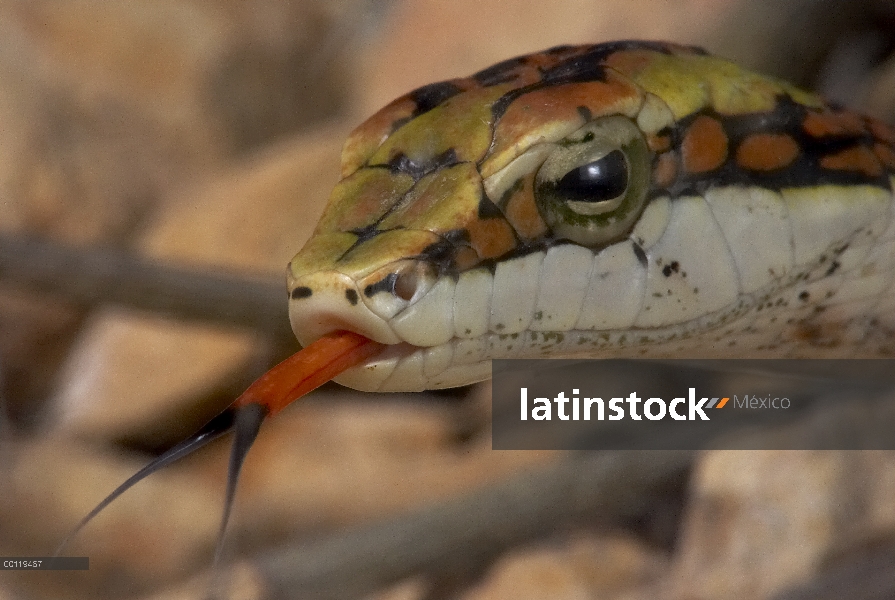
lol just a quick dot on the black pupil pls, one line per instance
(597, 181)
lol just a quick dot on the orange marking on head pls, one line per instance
(552, 112)
(856, 158)
(562, 101)
(767, 151)
(465, 258)
(820, 124)
(665, 171)
(491, 238)
(885, 154)
(542, 60)
(630, 61)
(704, 147)
(523, 215)
(658, 143)
(882, 131)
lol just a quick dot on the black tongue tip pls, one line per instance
(246, 427)
(218, 426)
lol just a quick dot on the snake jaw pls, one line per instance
(407, 309)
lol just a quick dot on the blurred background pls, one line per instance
(203, 136)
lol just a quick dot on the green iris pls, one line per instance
(592, 188)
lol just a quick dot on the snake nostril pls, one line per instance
(412, 280)
(393, 287)
(406, 285)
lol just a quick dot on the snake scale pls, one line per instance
(623, 199)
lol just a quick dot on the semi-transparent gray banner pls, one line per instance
(691, 404)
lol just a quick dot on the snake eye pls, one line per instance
(599, 183)
(592, 188)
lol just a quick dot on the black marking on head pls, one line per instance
(301, 292)
(441, 254)
(626, 45)
(667, 131)
(401, 163)
(804, 296)
(386, 284)
(786, 118)
(559, 49)
(487, 208)
(582, 67)
(585, 114)
(365, 233)
(834, 266)
(501, 104)
(510, 191)
(639, 253)
(674, 267)
(457, 237)
(588, 65)
(399, 123)
(351, 296)
(502, 72)
(432, 95)
(577, 69)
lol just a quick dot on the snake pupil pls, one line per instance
(597, 181)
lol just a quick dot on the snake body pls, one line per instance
(621, 199)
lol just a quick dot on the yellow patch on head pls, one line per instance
(384, 248)
(321, 252)
(690, 82)
(370, 134)
(442, 201)
(362, 198)
(461, 124)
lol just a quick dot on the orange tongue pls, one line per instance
(307, 369)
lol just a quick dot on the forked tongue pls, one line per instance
(304, 371)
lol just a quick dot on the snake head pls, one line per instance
(619, 199)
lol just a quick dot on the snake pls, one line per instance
(624, 199)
